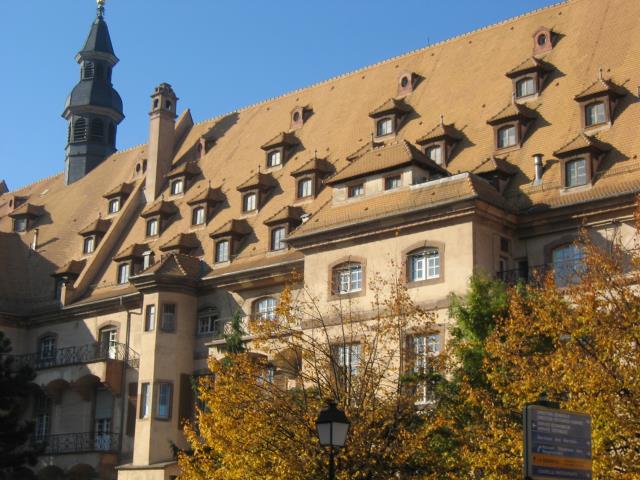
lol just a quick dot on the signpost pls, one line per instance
(557, 444)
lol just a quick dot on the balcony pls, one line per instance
(88, 442)
(78, 355)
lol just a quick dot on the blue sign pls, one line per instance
(557, 444)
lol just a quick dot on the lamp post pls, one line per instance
(333, 426)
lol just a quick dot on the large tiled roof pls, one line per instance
(462, 79)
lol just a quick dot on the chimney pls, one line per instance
(538, 168)
(34, 242)
(161, 139)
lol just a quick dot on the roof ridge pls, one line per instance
(387, 60)
(32, 184)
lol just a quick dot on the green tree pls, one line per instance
(15, 388)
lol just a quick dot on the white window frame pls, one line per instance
(198, 215)
(348, 357)
(114, 205)
(150, 318)
(265, 308)
(525, 87)
(507, 136)
(575, 172)
(89, 244)
(221, 254)
(424, 264)
(152, 227)
(424, 347)
(347, 278)
(274, 158)
(145, 400)
(595, 113)
(124, 270)
(355, 191)
(434, 153)
(250, 202)
(305, 187)
(208, 323)
(177, 186)
(385, 126)
(277, 238)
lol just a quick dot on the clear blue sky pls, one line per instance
(218, 55)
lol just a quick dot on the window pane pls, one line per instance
(123, 273)
(277, 238)
(356, 190)
(150, 318)
(114, 205)
(347, 278)
(384, 127)
(595, 114)
(392, 182)
(576, 173)
(525, 87)
(177, 186)
(435, 154)
(274, 158)
(507, 137)
(152, 227)
(89, 244)
(222, 251)
(163, 409)
(266, 309)
(304, 188)
(567, 264)
(145, 400)
(19, 224)
(169, 317)
(249, 202)
(197, 217)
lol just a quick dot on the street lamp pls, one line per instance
(333, 426)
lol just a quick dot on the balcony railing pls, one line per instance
(87, 442)
(93, 352)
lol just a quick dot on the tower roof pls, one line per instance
(98, 42)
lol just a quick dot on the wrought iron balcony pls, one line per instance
(93, 352)
(86, 442)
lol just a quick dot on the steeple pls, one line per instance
(93, 109)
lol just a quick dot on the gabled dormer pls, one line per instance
(130, 261)
(580, 159)
(510, 126)
(203, 204)
(389, 117)
(598, 103)
(280, 224)
(206, 143)
(157, 216)
(497, 171)
(184, 243)
(529, 78)
(117, 196)
(439, 143)
(255, 191)
(65, 277)
(228, 239)
(309, 177)
(92, 234)
(180, 177)
(279, 149)
(26, 216)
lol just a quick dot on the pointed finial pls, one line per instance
(513, 98)
(315, 154)
(372, 139)
(601, 73)
(101, 8)
(209, 183)
(442, 119)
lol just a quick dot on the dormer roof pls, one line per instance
(259, 181)
(162, 207)
(531, 64)
(134, 250)
(287, 214)
(208, 195)
(319, 165)
(598, 88)
(183, 242)
(187, 169)
(440, 132)
(581, 144)
(28, 210)
(496, 166)
(119, 190)
(234, 228)
(393, 105)
(513, 111)
(177, 265)
(281, 139)
(72, 269)
(100, 225)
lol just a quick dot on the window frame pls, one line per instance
(216, 257)
(338, 278)
(246, 204)
(152, 232)
(277, 244)
(516, 136)
(569, 178)
(265, 314)
(194, 215)
(591, 105)
(575, 263)
(150, 317)
(174, 184)
(213, 321)
(273, 153)
(144, 411)
(426, 253)
(89, 244)
(356, 190)
(343, 356)
(388, 186)
(300, 187)
(389, 120)
(525, 80)
(157, 395)
(172, 326)
(20, 224)
(123, 280)
(114, 201)
(418, 361)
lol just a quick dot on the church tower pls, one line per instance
(93, 109)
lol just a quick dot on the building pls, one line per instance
(485, 152)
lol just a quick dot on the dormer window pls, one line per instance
(435, 154)
(439, 144)
(277, 238)
(222, 250)
(153, 227)
(384, 127)
(305, 187)
(575, 173)
(114, 205)
(249, 202)
(20, 224)
(89, 245)
(354, 191)
(507, 136)
(177, 186)
(25, 216)
(595, 114)
(282, 223)
(308, 177)
(274, 158)
(580, 159)
(198, 216)
(228, 239)
(123, 273)
(147, 259)
(392, 182)
(525, 87)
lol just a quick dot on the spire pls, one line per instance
(100, 8)
(98, 42)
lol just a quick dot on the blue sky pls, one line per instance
(218, 55)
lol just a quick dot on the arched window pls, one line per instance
(112, 135)
(80, 130)
(594, 114)
(423, 264)
(384, 127)
(88, 70)
(525, 87)
(568, 264)
(507, 136)
(347, 278)
(265, 308)
(97, 129)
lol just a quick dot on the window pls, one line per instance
(423, 347)
(356, 190)
(59, 283)
(80, 130)
(305, 188)
(177, 186)
(348, 358)
(88, 70)
(594, 114)
(435, 154)
(123, 273)
(507, 136)
(89, 244)
(525, 87)
(20, 224)
(145, 400)
(114, 205)
(222, 251)
(150, 318)
(265, 309)
(97, 129)
(567, 264)
(249, 202)
(274, 158)
(576, 172)
(393, 182)
(384, 127)
(424, 265)
(168, 317)
(108, 341)
(197, 216)
(208, 322)
(152, 227)
(147, 260)
(277, 238)
(163, 400)
(47, 349)
(347, 278)
(42, 410)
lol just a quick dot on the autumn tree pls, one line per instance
(260, 411)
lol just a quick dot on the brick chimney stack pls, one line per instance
(161, 139)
